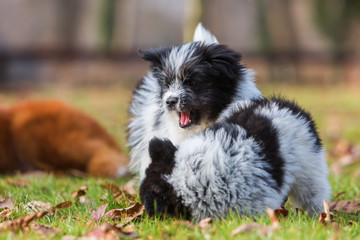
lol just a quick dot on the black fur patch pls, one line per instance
(210, 76)
(157, 195)
(263, 132)
(261, 129)
(300, 112)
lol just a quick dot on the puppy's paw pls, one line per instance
(154, 198)
(162, 151)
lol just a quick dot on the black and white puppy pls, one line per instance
(257, 154)
(187, 88)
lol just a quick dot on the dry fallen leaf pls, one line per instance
(110, 186)
(186, 223)
(18, 182)
(44, 230)
(109, 232)
(281, 212)
(22, 223)
(65, 204)
(7, 202)
(99, 213)
(129, 213)
(205, 223)
(37, 206)
(129, 187)
(79, 193)
(346, 154)
(345, 206)
(325, 217)
(272, 215)
(121, 194)
(246, 228)
(134, 210)
(5, 214)
(266, 230)
(338, 195)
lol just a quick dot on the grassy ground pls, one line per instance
(335, 110)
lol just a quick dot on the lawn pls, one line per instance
(335, 109)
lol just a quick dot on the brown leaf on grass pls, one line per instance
(7, 202)
(5, 214)
(18, 182)
(345, 206)
(129, 228)
(37, 206)
(266, 230)
(186, 223)
(79, 193)
(205, 223)
(246, 228)
(110, 186)
(325, 217)
(281, 212)
(129, 213)
(65, 204)
(346, 154)
(338, 195)
(109, 232)
(121, 194)
(129, 187)
(99, 213)
(272, 215)
(22, 223)
(45, 230)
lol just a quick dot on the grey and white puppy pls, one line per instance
(257, 154)
(184, 93)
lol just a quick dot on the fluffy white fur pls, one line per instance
(150, 117)
(216, 172)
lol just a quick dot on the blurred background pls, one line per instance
(91, 41)
(85, 52)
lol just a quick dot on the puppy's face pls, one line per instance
(197, 80)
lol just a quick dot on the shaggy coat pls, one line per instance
(184, 93)
(257, 154)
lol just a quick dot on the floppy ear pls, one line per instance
(224, 60)
(154, 55)
(162, 151)
(203, 35)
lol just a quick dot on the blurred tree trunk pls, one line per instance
(192, 16)
(68, 18)
(106, 23)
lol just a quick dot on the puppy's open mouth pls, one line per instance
(185, 119)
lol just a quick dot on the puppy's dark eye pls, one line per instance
(189, 82)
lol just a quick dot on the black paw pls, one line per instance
(155, 199)
(157, 194)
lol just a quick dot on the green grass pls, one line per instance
(335, 110)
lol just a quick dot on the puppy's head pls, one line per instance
(156, 193)
(198, 80)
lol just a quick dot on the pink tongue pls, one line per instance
(184, 118)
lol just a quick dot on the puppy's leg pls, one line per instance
(311, 186)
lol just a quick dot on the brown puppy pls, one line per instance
(49, 135)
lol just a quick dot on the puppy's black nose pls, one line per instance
(171, 101)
